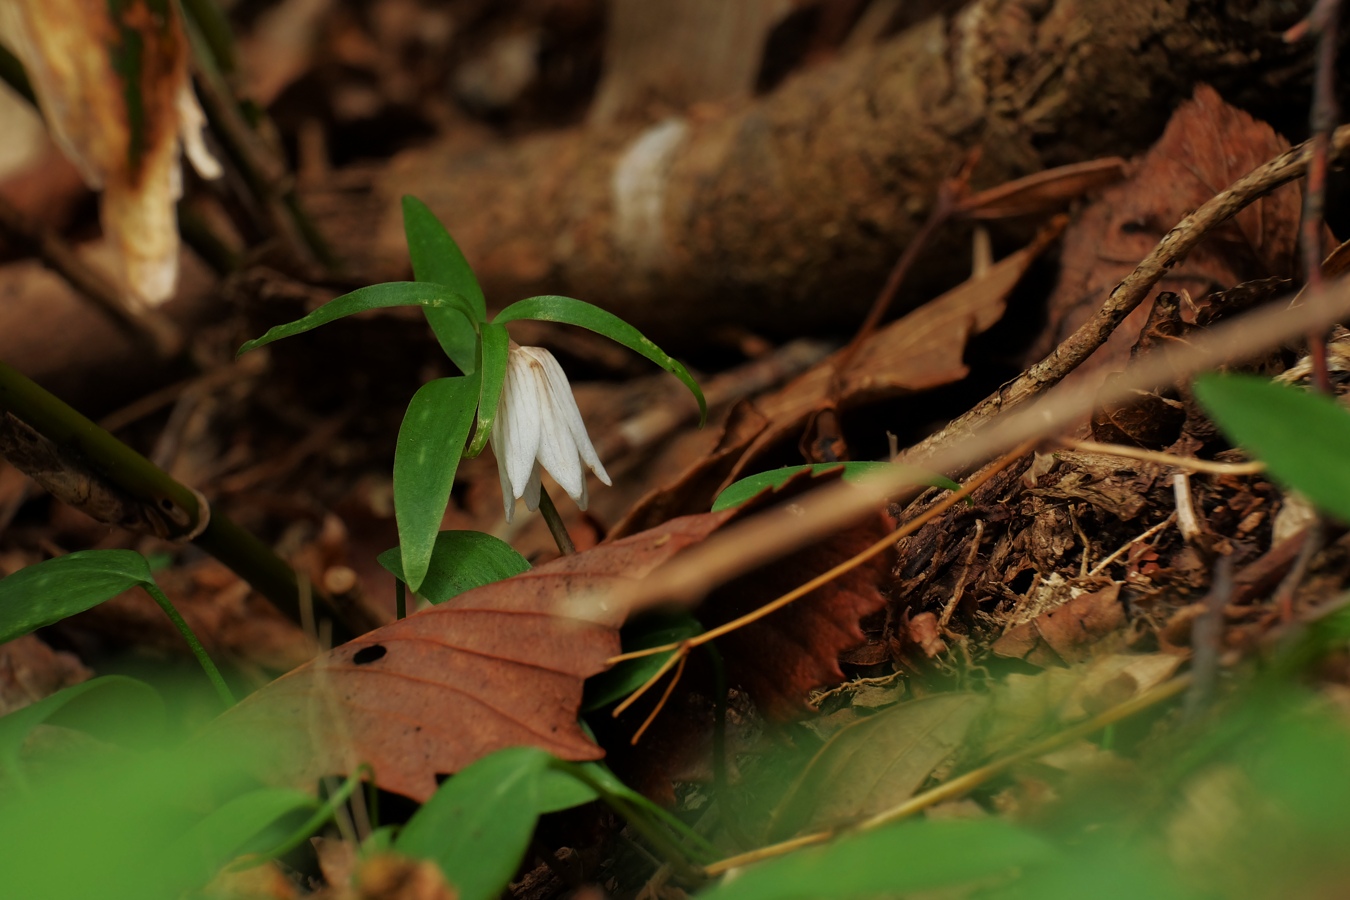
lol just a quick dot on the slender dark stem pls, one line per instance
(555, 523)
(214, 28)
(1322, 23)
(638, 817)
(178, 506)
(204, 658)
(400, 599)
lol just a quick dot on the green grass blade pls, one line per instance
(585, 315)
(1303, 438)
(244, 824)
(751, 486)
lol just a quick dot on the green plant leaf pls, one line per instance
(54, 589)
(559, 789)
(125, 811)
(495, 343)
(629, 675)
(585, 315)
(898, 859)
(430, 443)
(248, 823)
(113, 708)
(460, 561)
(1302, 437)
(49, 591)
(754, 485)
(437, 259)
(377, 296)
(478, 825)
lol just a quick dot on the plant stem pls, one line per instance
(400, 599)
(222, 689)
(176, 505)
(555, 523)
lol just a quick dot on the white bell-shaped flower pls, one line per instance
(539, 425)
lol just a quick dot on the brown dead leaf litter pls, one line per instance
(1075, 581)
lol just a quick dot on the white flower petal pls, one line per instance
(539, 428)
(566, 406)
(532, 489)
(557, 450)
(524, 408)
(508, 496)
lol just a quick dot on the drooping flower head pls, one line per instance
(539, 426)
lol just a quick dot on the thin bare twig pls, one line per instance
(1284, 593)
(142, 324)
(1124, 548)
(1131, 292)
(1206, 638)
(1322, 23)
(965, 783)
(1187, 521)
(653, 425)
(1167, 459)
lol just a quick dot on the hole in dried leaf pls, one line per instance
(369, 654)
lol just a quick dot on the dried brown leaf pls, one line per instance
(876, 763)
(495, 667)
(1206, 146)
(1067, 631)
(125, 138)
(1044, 191)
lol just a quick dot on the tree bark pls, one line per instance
(785, 215)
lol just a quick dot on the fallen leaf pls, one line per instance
(495, 667)
(1067, 632)
(1206, 146)
(876, 763)
(780, 659)
(1026, 706)
(1044, 192)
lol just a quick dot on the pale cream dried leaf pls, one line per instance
(68, 48)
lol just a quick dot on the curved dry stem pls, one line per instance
(970, 780)
(665, 696)
(1131, 292)
(847, 565)
(1189, 463)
